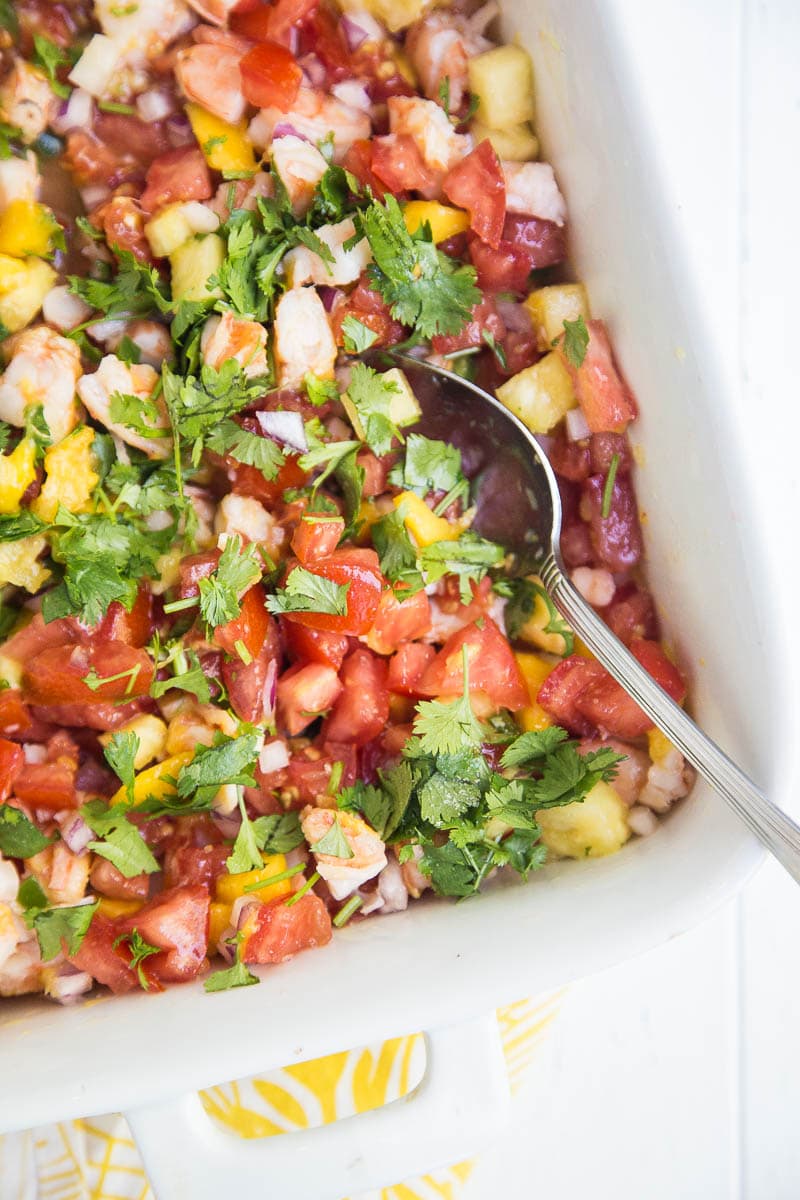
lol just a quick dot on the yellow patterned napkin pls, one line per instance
(96, 1158)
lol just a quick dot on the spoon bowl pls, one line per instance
(517, 502)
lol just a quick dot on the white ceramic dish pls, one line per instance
(441, 964)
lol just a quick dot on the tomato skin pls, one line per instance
(271, 76)
(15, 716)
(249, 481)
(398, 163)
(99, 959)
(477, 184)
(561, 691)
(251, 686)
(617, 537)
(50, 784)
(503, 269)
(304, 693)
(271, 22)
(193, 568)
(180, 174)
(358, 161)
(56, 675)
(369, 307)
(493, 670)
(12, 760)
(136, 627)
(361, 570)
(631, 614)
(609, 708)
(315, 645)
(253, 627)
(544, 242)
(362, 710)
(36, 636)
(177, 921)
(398, 621)
(313, 539)
(197, 865)
(273, 932)
(604, 397)
(407, 667)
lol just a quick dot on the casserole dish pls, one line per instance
(436, 966)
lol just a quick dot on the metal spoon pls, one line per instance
(519, 506)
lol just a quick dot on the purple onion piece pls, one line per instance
(328, 296)
(284, 129)
(270, 693)
(355, 36)
(314, 70)
(285, 427)
(75, 833)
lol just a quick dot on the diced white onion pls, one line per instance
(153, 105)
(351, 92)
(577, 428)
(273, 757)
(9, 881)
(642, 821)
(77, 113)
(366, 24)
(286, 427)
(62, 309)
(70, 984)
(95, 68)
(91, 196)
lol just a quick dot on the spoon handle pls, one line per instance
(772, 827)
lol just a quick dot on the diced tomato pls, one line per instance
(36, 636)
(274, 932)
(484, 320)
(315, 645)
(360, 570)
(12, 761)
(57, 675)
(603, 395)
(519, 351)
(362, 710)
(571, 460)
(398, 163)
(368, 307)
(193, 568)
(180, 174)
(617, 537)
(122, 221)
(134, 627)
(251, 686)
(50, 784)
(376, 472)
(631, 614)
(358, 161)
(563, 687)
(610, 709)
(317, 537)
(102, 715)
(15, 716)
(324, 37)
(543, 241)
(271, 77)
(604, 448)
(271, 22)
(493, 670)
(127, 134)
(200, 865)
(252, 628)
(399, 620)
(576, 544)
(177, 921)
(99, 959)
(108, 881)
(407, 667)
(503, 269)
(477, 184)
(249, 481)
(304, 693)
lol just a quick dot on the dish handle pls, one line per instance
(461, 1101)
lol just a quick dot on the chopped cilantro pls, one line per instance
(227, 761)
(245, 447)
(333, 842)
(120, 754)
(358, 337)
(140, 950)
(371, 394)
(576, 341)
(19, 837)
(320, 391)
(122, 843)
(246, 855)
(14, 526)
(278, 833)
(429, 466)
(306, 592)
(57, 927)
(230, 977)
(608, 488)
(239, 568)
(51, 58)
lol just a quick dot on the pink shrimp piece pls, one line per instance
(209, 74)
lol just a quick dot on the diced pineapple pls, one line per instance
(590, 828)
(518, 143)
(544, 627)
(534, 670)
(71, 477)
(404, 408)
(395, 14)
(17, 473)
(551, 306)
(21, 302)
(422, 523)
(26, 227)
(230, 887)
(445, 222)
(193, 264)
(19, 563)
(540, 395)
(152, 734)
(177, 223)
(225, 147)
(12, 272)
(502, 79)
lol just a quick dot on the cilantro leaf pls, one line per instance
(220, 591)
(67, 926)
(278, 833)
(120, 754)
(469, 557)
(230, 977)
(429, 466)
(370, 395)
(190, 677)
(122, 843)
(358, 337)
(576, 341)
(383, 807)
(32, 898)
(333, 842)
(525, 852)
(135, 290)
(450, 870)
(245, 447)
(14, 526)
(567, 775)
(307, 592)
(140, 950)
(350, 477)
(532, 746)
(396, 551)
(246, 855)
(50, 57)
(19, 837)
(447, 726)
(228, 760)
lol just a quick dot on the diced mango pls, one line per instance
(155, 781)
(152, 734)
(658, 745)
(423, 524)
(20, 303)
(502, 79)
(193, 264)
(118, 908)
(219, 918)
(225, 147)
(545, 628)
(26, 227)
(395, 14)
(518, 143)
(535, 670)
(20, 565)
(589, 828)
(70, 475)
(17, 473)
(445, 221)
(12, 272)
(231, 887)
(540, 395)
(551, 306)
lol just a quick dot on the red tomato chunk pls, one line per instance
(274, 932)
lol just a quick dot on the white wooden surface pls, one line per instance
(677, 1076)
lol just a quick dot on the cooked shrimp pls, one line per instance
(44, 369)
(305, 266)
(424, 121)
(314, 115)
(241, 193)
(413, 878)
(245, 518)
(151, 339)
(9, 881)
(27, 100)
(368, 853)
(216, 11)
(304, 341)
(300, 167)
(114, 377)
(439, 46)
(19, 179)
(631, 772)
(143, 30)
(229, 337)
(210, 75)
(596, 585)
(20, 961)
(532, 191)
(668, 780)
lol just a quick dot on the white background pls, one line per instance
(677, 1076)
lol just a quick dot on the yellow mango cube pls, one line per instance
(445, 221)
(551, 306)
(26, 227)
(423, 524)
(394, 14)
(20, 303)
(502, 79)
(20, 565)
(118, 908)
(225, 147)
(231, 887)
(545, 628)
(219, 918)
(589, 828)
(17, 473)
(540, 395)
(155, 781)
(70, 475)
(534, 670)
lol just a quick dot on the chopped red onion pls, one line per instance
(75, 833)
(274, 756)
(286, 427)
(314, 70)
(179, 131)
(352, 93)
(515, 316)
(270, 693)
(284, 129)
(69, 984)
(577, 427)
(228, 826)
(239, 909)
(355, 34)
(328, 296)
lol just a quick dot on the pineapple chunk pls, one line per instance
(176, 224)
(551, 306)
(193, 264)
(502, 79)
(17, 473)
(394, 14)
(403, 406)
(71, 477)
(21, 302)
(26, 228)
(545, 628)
(12, 272)
(445, 222)
(540, 395)
(518, 143)
(19, 563)
(590, 828)
(152, 734)
(225, 147)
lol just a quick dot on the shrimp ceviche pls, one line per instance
(260, 676)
